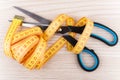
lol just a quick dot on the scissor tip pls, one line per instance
(9, 20)
(15, 6)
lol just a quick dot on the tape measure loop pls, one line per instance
(83, 39)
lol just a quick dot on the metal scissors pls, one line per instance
(43, 24)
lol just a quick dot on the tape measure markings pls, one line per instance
(37, 54)
(25, 33)
(21, 48)
(51, 51)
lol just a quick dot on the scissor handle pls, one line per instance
(110, 43)
(95, 57)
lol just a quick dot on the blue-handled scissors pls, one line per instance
(43, 23)
(91, 52)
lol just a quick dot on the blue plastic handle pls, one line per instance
(110, 43)
(95, 57)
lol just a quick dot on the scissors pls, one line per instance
(43, 24)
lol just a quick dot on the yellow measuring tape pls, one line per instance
(8, 39)
(29, 46)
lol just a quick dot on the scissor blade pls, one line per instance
(33, 23)
(34, 16)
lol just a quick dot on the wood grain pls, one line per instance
(64, 65)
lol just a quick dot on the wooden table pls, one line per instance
(64, 65)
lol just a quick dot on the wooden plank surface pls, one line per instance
(64, 65)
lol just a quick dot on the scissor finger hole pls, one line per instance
(88, 62)
(87, 59)
(103, 33)
(107, 33)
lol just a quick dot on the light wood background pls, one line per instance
(64, 65)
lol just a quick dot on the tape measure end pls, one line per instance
(19, 17)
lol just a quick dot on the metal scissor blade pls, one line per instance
(33, 23)
(34, 16)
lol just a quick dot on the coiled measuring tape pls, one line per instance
(28, 47)
(60, 42)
